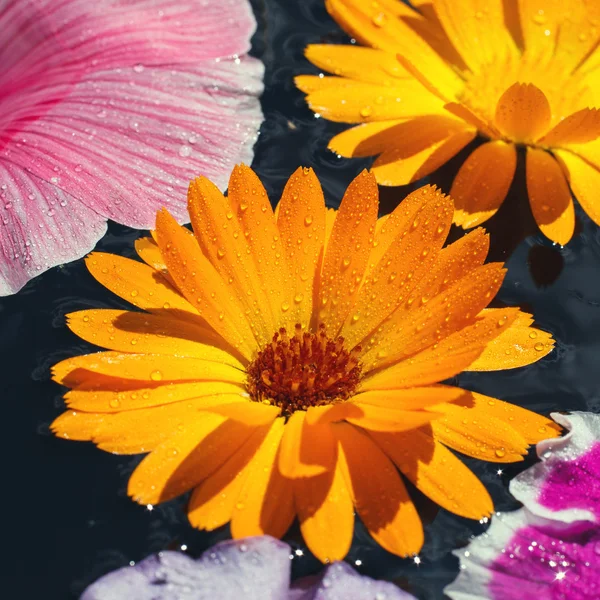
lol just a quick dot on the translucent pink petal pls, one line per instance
(114, 105)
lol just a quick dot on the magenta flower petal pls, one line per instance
(108, 109)
(565, 485)
(549, 549)
(252, 569)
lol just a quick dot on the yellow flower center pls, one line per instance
(303, 370)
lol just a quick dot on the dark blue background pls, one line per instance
(67, 518)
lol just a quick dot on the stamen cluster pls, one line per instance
(303, 370)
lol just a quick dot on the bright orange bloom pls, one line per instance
(288, 364)
(518, 73)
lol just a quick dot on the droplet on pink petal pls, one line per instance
(107, 110)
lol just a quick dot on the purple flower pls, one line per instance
(549, 549)
(256, 568)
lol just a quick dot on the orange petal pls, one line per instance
(532, 427)
(409, 399)
(186, 458)
(435, 471)
(213, 501)
(265, 504)
(383, 418)
(139, 284)
(392, 169)
(441, 360)
(476, 432)
(356, 62)
(147, 249)
(584, 179)
(148, 368)
(348, 251)
(133, 432)
(477, 30)
(251, 413)
(202, 285)
(326, 514)
(473, 117)
(549, 196)
(330, 413)
(250, 203)
(306, 450)
(348, 101)
(483, 182)
(112, 401)
(139, 333)
(378, 493)
(518, 345)
(353, 143)
(401, 267)
(301, 222)
(523, 113)
(578, 128)
(421, 322)
(315, 83)
(222, 240)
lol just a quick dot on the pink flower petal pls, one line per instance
(565, 485)
(113, 106)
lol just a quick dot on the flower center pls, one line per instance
(303, 370)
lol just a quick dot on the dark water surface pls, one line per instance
(67, 518)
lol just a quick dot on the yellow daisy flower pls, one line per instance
(287, 365)
(519, 73)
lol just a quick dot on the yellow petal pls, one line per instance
(250, 203)
(148, 368)
(306, 450)
(483, 182)
(134, 332)
(392, 280)
(355, 62)
(392, 169)
(549, 196)
(347, 252)
(326, 514)
(186, 458)
(533, 427)
(475, 432)
(147, 249)
(265, 504)
(578, 128)
(378, 493)
(523, 113)
(348, 101)
(221, 238)
(518, 345)
(251, 413)
(435, 471)
(383, 418)
(409, 399)
(134, 431)
(201, 284)
(477, 30)
(301, 223)
(353, 143)
(139, 284)
(330, 413)
(115, 400)
(214, 499)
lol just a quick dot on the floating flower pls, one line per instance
(515, 73)
(549, 549)
(256, 568)
(289, 363)
(107, 109)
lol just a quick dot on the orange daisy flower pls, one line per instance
(522, 73)
(288, 364)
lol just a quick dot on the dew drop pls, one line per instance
(156, 376)
(285, 306)
(379, 19)
(366, 111)
(500, 453)
(308, 220)
(539, 347)
(533, 335)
